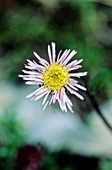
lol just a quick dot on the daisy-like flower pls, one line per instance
(54, 78)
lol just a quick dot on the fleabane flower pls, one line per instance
(54, 78)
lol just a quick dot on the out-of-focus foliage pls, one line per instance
(97, 81)
(27, 26)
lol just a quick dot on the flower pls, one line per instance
(54, 78)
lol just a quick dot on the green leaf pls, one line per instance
(98, 80)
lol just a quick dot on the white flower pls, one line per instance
(54, 77)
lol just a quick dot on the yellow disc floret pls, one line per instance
(55, 77)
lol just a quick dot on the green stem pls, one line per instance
(95, 105)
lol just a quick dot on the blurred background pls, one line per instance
(31, 139)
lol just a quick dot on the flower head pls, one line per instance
(54, 77)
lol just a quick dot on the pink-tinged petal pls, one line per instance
(40, 95)
(71, 64)
(49, 53)
(72, 81)
(45, 105)
(34, 67)
(59, 101)
(29, 67)
(78, 95)
(45, 98)
(80, 87)
(54, 96)
(38, 66)
(78, 62)
(31, 94)
(59, 55)
(41, 91)
(69, 101)
(75, 93)
(63, 99)
(41, 60)
(65, 108)
(74, 68)
(33, 98)
(50, 99)
(53, 51)
(30, 72)
(57, 97)
(36, 55)
(72, 86)
(21, 75)
(70, 90)
(30, 62)
(33, 83)
(32, 76)
(78, 74)
(43, 63)
(34, 79)
(60, 104)
(70, 108)
(69, 57)
(58, 59)
(64, 56)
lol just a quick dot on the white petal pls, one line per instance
(72, 86)
(63, 99)
(31, 94)
(40, 95)
(74, 68)
(32, 78)
(69, 57)
(36, 55)
(41, 60)
(72, 81)
(70, 108)
(71, 64)
(29, 61)
(49, 53)
(50, 99)
(54, 96)
(75, 93)
(78, 74)
(79, 96)
(33, 82)
(70, 90)
(80, 87)
(21, 75)
(53, 51)
(69, 101)
(30, 72)
(59, 55)
(45, 105)
(64, 56)
(45, 98)
(41, 91)
(78, 62)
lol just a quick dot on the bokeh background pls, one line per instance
(31, 139)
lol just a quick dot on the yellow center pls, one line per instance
(55, 77)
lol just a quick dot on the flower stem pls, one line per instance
(95, 105)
